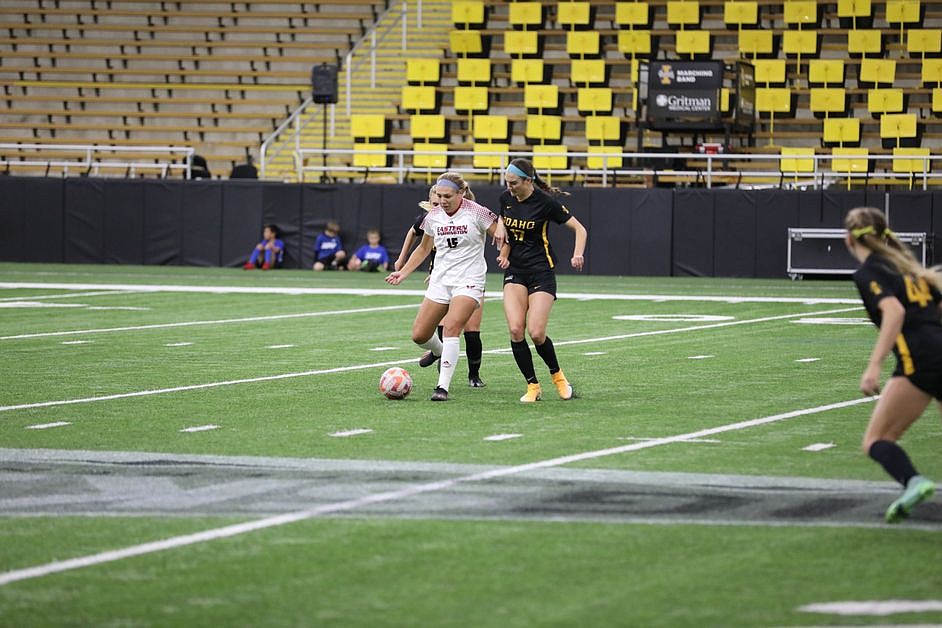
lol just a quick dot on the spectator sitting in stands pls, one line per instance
(199, 169)
(370, 257)
(244, 171)
(269, 252)
(328, 249)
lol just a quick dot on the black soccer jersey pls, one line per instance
(919, 346)
(527, 223)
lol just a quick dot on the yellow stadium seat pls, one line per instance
(916, 165)
(527, 71)
(366, 155)
(633, 14)
(573, 15)
(769, 71)
(541, 97)
(498, 160)
(490, 127)
(594, 100)
(468, 13)
(435, 155)
(521, 43)
(419, 99)
(466, 43)
(876, 72)
(841, 131)
(695, 43)
(931, 72)
(545, 159)
(470, 99)
(797, 160)
(542, 128)
(583, 43)
(826, 72)
(683, 13)
(923, 41)
(849, 160)
(724, 100)
(801, 12)
(427, 127)
(854, 10)
(474, 71)
(634, 43)
(526, 15)
(862, 43)
(604, 157)
(903, 12)
(587, 72)
(937, 100)
(755, 43)
(740, 12)
(603, 129)
(828, 101)
(800, 43)
(880, 101)
(423, 71)
(773, 100)
(899, 129)
(368, 126)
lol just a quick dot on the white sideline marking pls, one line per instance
(357, 367)
(350, 433)
(807, 359)
(497, 437)
(873, 607)
(595, 353)
(582, 296)
(119, 307)
(280, 346)
(689, 440)
(673, 318)
(833, 321)
(25, 304)
(700, 357)
(71, 295)
(177, 344)
(200, 428)
(76, 342)
(818, 447)
(46, 426)
(411, 491)
(384, 348)
(248, 319)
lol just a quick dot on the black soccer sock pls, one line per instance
(524, 360)
(548, 352)
(473, 349)
(893, 458)
(441, 330)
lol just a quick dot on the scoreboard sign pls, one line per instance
(684, 94)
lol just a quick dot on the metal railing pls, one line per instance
(297, 122)
(91, 162)
(715, 170)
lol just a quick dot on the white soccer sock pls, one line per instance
(450, 349)
(433, 344)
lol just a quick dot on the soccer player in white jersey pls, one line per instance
(457, 229)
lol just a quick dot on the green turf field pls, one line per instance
(222, 434)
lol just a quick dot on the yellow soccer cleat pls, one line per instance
(534, 393)
(563, 387)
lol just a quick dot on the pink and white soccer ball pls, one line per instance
(395, 383)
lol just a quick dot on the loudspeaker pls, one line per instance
(324, 83)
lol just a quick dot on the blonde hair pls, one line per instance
(458, 180)
(867, 225)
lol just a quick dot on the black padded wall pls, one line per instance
(31, 219)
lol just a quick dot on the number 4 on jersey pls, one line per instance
(917, 291)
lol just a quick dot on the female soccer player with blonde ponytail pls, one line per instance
(903, 300)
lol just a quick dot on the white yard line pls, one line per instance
(71, 295)
(418, 489)
(357, 367)
(223, 321)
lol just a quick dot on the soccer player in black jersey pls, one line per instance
(473, 347)
(529, 264)
(902, 298)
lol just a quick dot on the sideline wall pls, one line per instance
(657, 232)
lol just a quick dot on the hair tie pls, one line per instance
(862, 231)
(517, 171)
(448, 183)
(888, 234)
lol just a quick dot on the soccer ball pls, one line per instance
(395, 383)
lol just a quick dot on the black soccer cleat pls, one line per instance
(440, 394)
(428, 359)
(474, 381)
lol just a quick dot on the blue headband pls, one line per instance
(517, 171)
(448, 183)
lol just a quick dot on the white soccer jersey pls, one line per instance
(459, 243)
